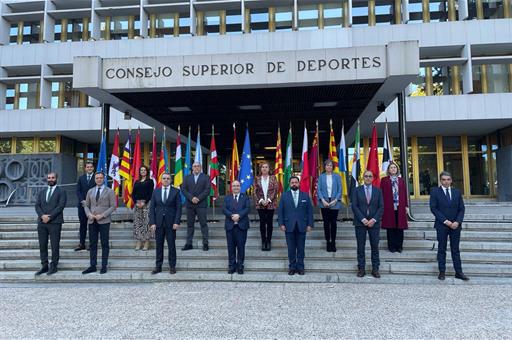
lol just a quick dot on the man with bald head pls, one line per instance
(196, 188)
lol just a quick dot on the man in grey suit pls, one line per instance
(100, 203)
(367, 206)
(50, 205)
(196, 188)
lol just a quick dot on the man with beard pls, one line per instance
(295, 216)
(50, 204)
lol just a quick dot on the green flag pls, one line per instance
(288, 164)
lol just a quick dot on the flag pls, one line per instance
(124, 172)
(178, 170)
(356, 161)
(387, 156)
(343, 167)
(304, 174)
(288, 162)
(373, 159)
(153, 173)
(213, 169)
(136, 161)
(246, 173)
(113, 169)
(163, 165)
(313, 167)
(279, 162)
(235, 162)
(187, 166)
(333, 155)
(199, 152)
(102, 159)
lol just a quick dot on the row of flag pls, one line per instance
(127, 166)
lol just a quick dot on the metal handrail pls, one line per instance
(9, 197)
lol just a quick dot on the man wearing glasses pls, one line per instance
(367, 206)
(448, 208)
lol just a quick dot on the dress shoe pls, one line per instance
(172, 271)
(441, 276)
(291, 272)
(53, 270)
(360, 273)
(399, 250)
(43, 270)
(156, 270)
(240, 271)
(376, 274)
(103, 270)
(80, 247)
(138, 245)
(187, 247)
(333, 247)
(231, 271)
(146, 246)
(300, 271)
(269, 246)
(263, 246)
(461, 276)
(392, 250)
(89, 270)
(205, 247)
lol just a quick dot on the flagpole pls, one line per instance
(213, 201)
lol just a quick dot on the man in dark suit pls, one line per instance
(83, 185)
(50, 204)
(196, 188)
(236, 209)
(295, 216)
(164, 218)
(448, 208)
(368, 207)
(100, 203)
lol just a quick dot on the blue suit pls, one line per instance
(452, 210)
(335, 190)
(164, 215)
(236, 234)
(296, 220)
(82, 187)
(372, 210)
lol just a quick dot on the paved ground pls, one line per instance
(251, 310)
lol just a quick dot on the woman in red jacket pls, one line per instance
(396, 208)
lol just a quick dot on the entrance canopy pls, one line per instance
(260, 89)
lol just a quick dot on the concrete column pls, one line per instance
(143, 15)
(45, 90)
(295, 16)
(3, 89)
(193, 19)
(405, 11)
(5, 26)
(467, 70)
(41, 31)
(95, 21)
(463, 9)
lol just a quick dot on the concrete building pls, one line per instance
(198, 63)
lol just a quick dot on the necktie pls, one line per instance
(49, 194)
(448, 194)
(88, 178)
(98, 192)
(236, 198)
(296, 198)
(368, 195)
(165, 194)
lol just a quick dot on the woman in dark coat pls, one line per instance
(142, 191)
(396, 207)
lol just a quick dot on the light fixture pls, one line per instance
(127, 115)
(180, 108)
(260, 157)
(269, 147)
(249, 107)
(262, 133)
(325, 104)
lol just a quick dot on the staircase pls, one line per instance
(486, 247)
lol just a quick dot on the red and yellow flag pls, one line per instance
(125, 172)
(235, 161)
(333, 153)
(279, 172)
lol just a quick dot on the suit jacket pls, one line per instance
(444, 209)
(54, 207)
(105, 206)
(201, 190)
(335, 190)
(273, 188)
(241, 208)
(83, 186)
(362, 209)
(169, 211)
(291, 216)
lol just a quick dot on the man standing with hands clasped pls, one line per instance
(295, 216)
(368, 207)
(164, 219)
(448, 208)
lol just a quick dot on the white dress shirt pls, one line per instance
(328, 181)
(264, 186)
(163, 192)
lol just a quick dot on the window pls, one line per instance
(31, 32)
(9, 97)
(164, 25)
(491, 9)
(452, 160)
(74, 30)
(333, 15)
(212, 23)
(478, 166)
(28, 96)
(427, 164)
(259, 20)
(284, 18)
(13, 34)
(47, 144)
(5, 145)
(233, 22)
(308, 17)
(25, 145)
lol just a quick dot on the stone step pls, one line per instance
(254, 253)
(470, 217)
(279, 243)
(144, 277)
(343, 233)
(146, 265)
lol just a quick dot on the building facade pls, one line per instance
(458, 106)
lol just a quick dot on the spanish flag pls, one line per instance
(333, 154)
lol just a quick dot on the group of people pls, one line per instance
(158, 212)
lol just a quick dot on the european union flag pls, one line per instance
(246, 175)
(102, 158)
